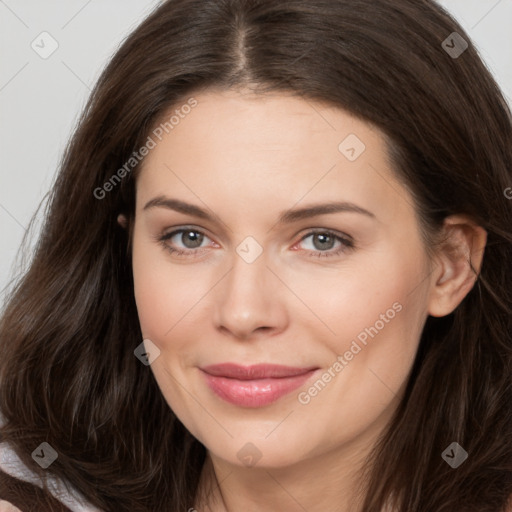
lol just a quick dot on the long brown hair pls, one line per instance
(68, 374)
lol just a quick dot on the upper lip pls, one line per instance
(257, 371)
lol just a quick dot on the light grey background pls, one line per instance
(40, 99)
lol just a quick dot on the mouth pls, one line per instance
(254, 386)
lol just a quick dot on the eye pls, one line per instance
(324, 240)
(190, 237)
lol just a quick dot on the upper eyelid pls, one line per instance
(308, 232)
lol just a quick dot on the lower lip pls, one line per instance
(254, 393)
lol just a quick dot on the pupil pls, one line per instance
(324, 239)
(193, 236)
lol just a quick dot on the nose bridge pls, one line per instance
(247, 282)
(248, 298)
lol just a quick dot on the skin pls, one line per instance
(5, 506)
(246, 158)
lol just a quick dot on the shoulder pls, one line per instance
(5, 506)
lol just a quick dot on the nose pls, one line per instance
(250, 300)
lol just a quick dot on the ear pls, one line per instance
(459, 260)
(122, 220)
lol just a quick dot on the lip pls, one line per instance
(254, 386)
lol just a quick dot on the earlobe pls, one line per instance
(122, 220)
(459, 259)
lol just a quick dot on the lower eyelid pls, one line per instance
(346, 242)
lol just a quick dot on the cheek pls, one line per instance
(381, 324)
(164, 292)
(372, 356)
(151, 292)
(374, 311)
(164, 295)
(355, 296)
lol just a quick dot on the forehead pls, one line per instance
(272, 149)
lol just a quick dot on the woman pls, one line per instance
(184, 340)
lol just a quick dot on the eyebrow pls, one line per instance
(285, 217)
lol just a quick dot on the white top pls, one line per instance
(10, 463)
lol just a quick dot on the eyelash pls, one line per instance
(347, 243)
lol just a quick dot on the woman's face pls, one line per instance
(340, 293)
